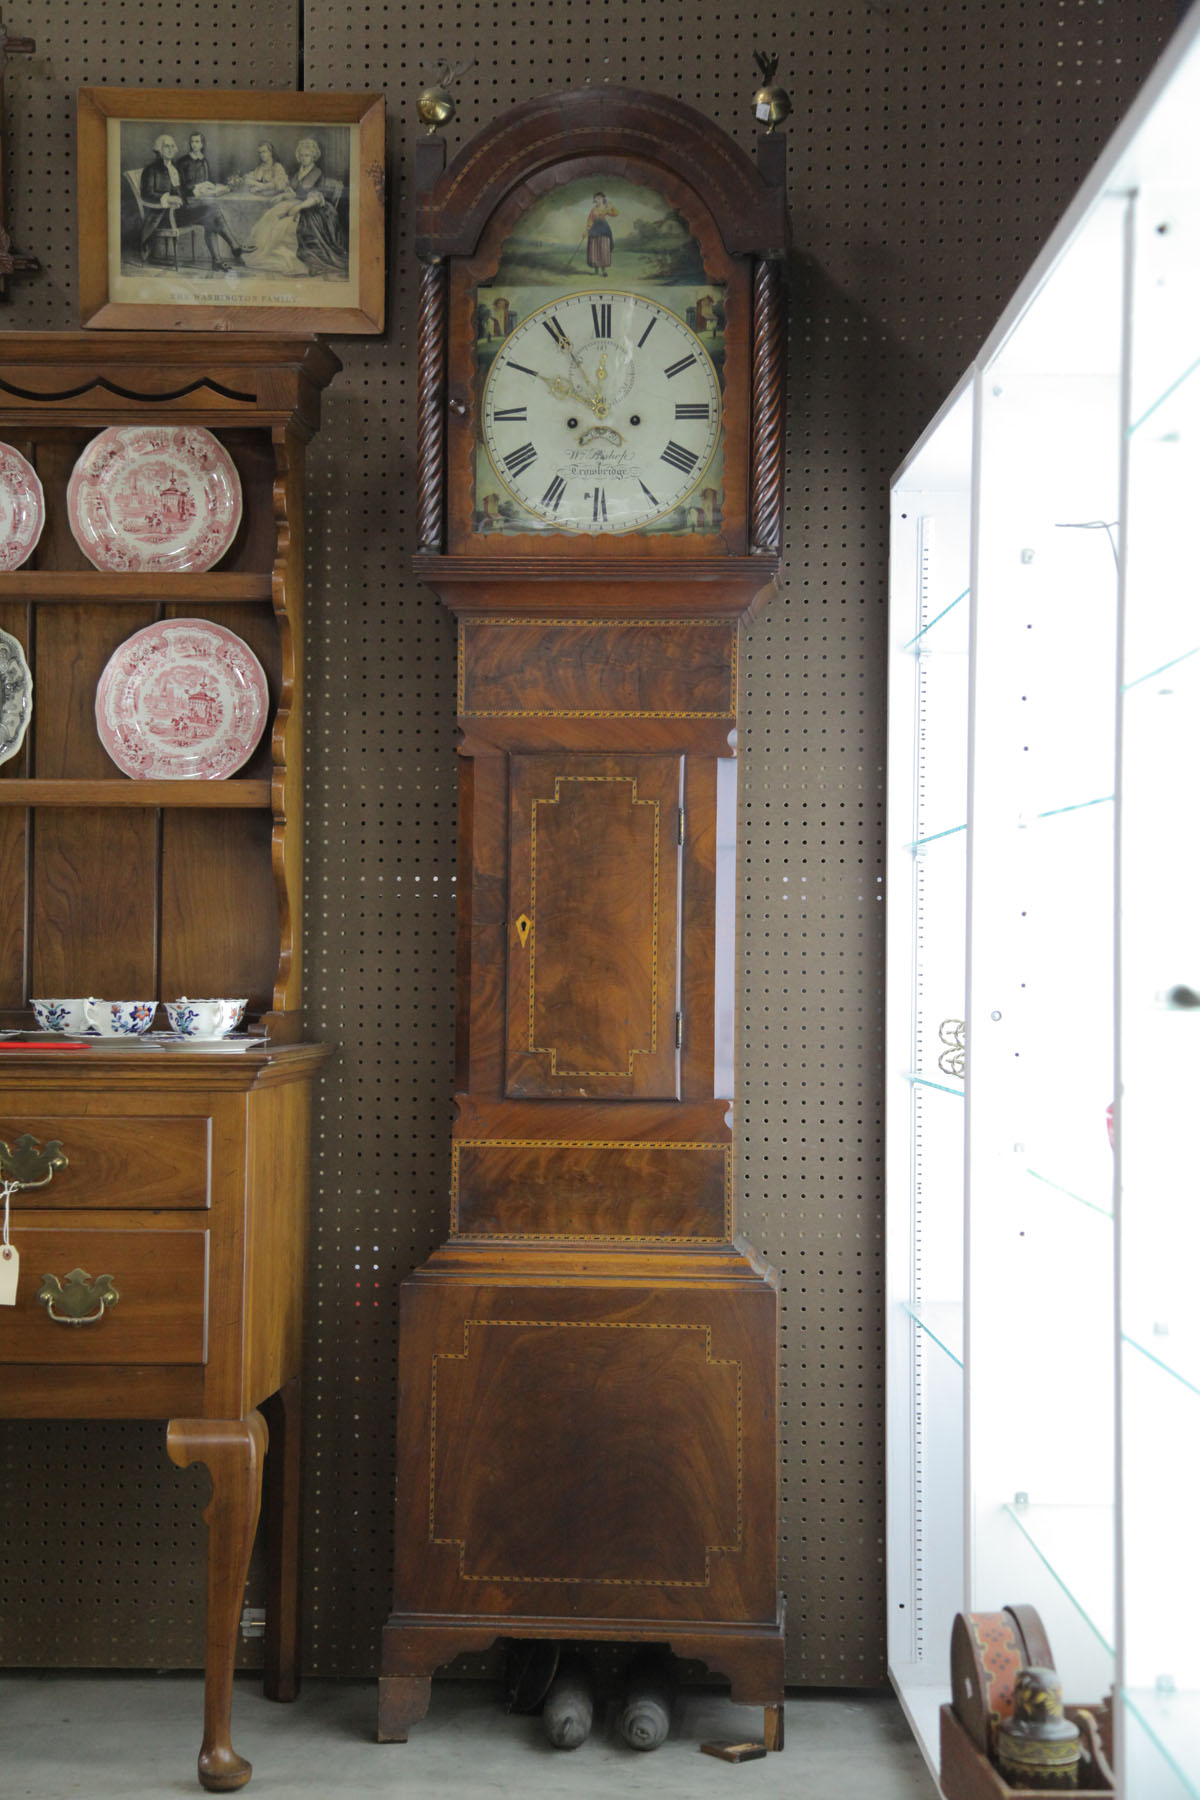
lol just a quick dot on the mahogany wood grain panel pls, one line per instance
(76, 1391)
(128, 1161)
(698, 929)
(220, 923)
(597, 669)
(594, 867)
(564, 1189)
(161, 1277)
(595, 1448)
(600, 1501)
(482, 923)
(94, 904)
(615, 1170)
(555, 731)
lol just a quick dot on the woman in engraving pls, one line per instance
(599, 235)
(302, 234)
(268, 176)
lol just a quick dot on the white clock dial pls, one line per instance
(602, 412)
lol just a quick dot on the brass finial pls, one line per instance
(436, 105)
(771, 102)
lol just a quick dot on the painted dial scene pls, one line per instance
(602, 412)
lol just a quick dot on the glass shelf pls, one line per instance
(1170, 408)
(1168, 1726)
(921, 641)
(1093, 1206)
(927, 1081)
(1076, 1545)
(1176, 666)
(1178, 1356)
(942, 1320)
(919, 844)
(1071, 806)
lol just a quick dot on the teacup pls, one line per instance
(120, 1018)
(64, 1015)
(204, 1018)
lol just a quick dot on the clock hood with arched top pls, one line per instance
(748, 209)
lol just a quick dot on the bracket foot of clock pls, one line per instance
(750, 1658)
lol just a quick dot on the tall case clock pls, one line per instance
(587, 1433)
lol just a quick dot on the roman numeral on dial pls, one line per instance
(679, 458)
(686, 409)
(519, 412)
(599, 506)
(518, 460)
(646, 333)
(677, 368)
(554, 493)
(602, 318)
(652, 498)
(555, 329)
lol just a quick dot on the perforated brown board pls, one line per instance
(931, 150)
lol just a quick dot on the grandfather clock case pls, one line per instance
(587, 1430)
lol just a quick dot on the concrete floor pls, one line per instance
(133, 1735)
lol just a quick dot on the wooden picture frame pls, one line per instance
(247, 230)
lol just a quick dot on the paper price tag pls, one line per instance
(762, 110)
(10, 1269)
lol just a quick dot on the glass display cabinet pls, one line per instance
(1044, 970)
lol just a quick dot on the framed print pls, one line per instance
(231, 210)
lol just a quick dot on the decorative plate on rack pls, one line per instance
(22, 508)
(184, 700)
(164, 498)
(16, 696)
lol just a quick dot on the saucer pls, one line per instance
(164, 498)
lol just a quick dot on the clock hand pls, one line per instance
(567, 390)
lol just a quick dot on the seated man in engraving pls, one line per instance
(177, 190)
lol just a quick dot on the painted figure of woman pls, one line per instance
(599, 235)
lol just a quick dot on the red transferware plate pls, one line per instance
(183, 700)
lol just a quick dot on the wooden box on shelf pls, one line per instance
(185, 1171)
(966, 1773)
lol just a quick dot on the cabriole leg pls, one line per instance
(233, 1451)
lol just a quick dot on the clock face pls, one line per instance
(601, 412)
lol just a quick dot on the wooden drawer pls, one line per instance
(160, 1276)
(125, 1161)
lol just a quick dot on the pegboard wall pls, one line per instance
(932, 148)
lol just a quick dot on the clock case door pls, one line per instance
(587, 1427)
(595, 853)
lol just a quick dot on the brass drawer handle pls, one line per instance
(69, 1303)
(26, 1163)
